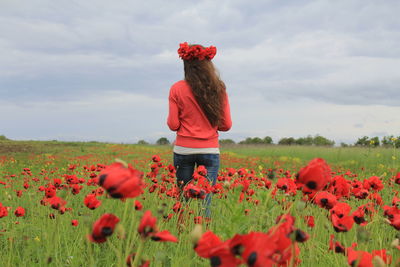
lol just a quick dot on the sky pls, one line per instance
(99, 70)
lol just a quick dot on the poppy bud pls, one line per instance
(196, 233)
(378, 262)
(300, 236)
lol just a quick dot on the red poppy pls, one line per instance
(310, 221)
(19, 212)
(155, 158)
(103, 228)
(395, 221)
(285, 247)
(130, 259)
(92, 202)
(376, 198)
(147, 225)
(138, 205)
(316, 175)
(202, 170)
(56, 202)
(336, 246)
(343, 224)
(50, 192)
(163, 236)
(383, 255)
(359, 258)
(340, 187)
(340, 209)
(210, 246)
(76, 188)
(374, 183)
(397, 178)
(325, 200)
(358, 216)
(57, 182)
(177, 207)
(198, 220)
(74, 223)
(193, 191)
(288, 185)
(120, 181)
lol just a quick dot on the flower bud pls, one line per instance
(196, 233)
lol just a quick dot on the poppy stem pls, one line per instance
(138, 253)
(10, 253)
(129, 239)
(116, 251)
(127, 203)
(293, 259)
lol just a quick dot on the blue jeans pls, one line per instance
(185, 166)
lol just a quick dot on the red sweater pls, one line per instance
(188, 119)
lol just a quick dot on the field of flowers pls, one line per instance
(95, 204)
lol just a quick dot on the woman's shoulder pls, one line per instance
(180, 86)
(181, 83)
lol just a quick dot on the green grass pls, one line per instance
(37, 240)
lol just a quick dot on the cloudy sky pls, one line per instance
(101, 70)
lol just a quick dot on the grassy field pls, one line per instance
(46, 237)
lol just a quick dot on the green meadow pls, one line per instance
(45, 237)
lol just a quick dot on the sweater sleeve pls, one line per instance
(226, 121)
(173, 115)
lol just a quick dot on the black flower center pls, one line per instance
(106, 231)
(215, 261)
(252, 258)
(311, 185)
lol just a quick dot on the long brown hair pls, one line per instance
(207, 87)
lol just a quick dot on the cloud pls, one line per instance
(279, 57)
(110, 116)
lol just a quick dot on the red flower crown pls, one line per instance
(190, 52)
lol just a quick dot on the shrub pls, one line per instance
(163, 141)
(3, 138)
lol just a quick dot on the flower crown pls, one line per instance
(190, 52)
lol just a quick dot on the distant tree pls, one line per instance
(268, 140)
(305, 141)
(226, 142)
(388, 141)
(342, 144)
(363, 141)
(247, 141)
(374, 141)
(322, 141)
(256, 140)
(163, 141)
(287, 141)
(396, 141)
(3, 138)
(142, 142)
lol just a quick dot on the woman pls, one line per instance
(198, 109)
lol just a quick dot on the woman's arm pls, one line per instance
(225, 123)
(173, 116)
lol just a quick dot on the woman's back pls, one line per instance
(188, 119)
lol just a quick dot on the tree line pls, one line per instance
(309, 140)
(386, 141)
(317, 140)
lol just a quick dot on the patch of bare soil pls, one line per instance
(7, 147)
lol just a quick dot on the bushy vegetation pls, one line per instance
(386, 141)
(309, 140)
(3, 138)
